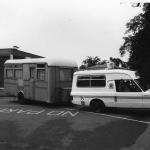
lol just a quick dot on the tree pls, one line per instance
(93, 61)
(90, 61)
(137, 44)
(118, 62)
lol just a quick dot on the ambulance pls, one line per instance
(99, 89)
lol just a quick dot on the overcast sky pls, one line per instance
(65, 28)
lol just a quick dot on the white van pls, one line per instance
(108, 88)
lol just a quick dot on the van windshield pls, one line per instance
(126, 86)
(138, 81)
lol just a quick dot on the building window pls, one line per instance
(91, 81)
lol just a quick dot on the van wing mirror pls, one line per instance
(147, 90)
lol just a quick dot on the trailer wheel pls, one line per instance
(20, 97)
(97, 105)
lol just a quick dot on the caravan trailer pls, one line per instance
(40, 79)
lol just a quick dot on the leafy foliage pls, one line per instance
(137, 44)
(90, 61)
(93, 61)
(118, 62)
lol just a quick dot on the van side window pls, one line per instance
(126, 86)
(83, 81)
(91, 81)
(98, 81)
(40, 71)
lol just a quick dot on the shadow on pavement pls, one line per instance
(42, 104)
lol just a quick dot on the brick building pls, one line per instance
(12, 53)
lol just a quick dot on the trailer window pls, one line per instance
(18, 73)
(40, 71)
(9, 73)
(40, 65)
(40, 74)
(32, 73)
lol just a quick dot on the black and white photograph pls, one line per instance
(74, 75)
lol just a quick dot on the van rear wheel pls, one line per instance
(97, 105)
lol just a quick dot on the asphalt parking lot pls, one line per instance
(38, 127)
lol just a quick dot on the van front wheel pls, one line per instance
(97, 105)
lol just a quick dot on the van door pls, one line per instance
(32, 83)
(128, 94)
(146, 99)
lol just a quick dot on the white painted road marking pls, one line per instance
(117, 117)
(61, 113)
(123, 118)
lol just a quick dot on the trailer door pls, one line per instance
(32, 83)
